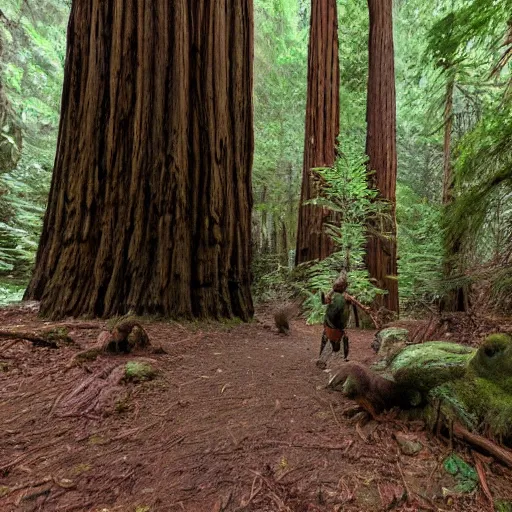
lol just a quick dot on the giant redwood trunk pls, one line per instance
(150, 203)
(381, 145)
(322, 126)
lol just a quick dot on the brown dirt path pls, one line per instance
(238, 419)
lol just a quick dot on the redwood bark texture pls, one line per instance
(150, 203)
(381, 144)
(322, 126)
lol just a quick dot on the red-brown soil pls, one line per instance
(237, 419)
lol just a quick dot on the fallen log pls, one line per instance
(47, 339)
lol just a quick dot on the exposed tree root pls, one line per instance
(124, 338)
(498, 452)
(93, 395)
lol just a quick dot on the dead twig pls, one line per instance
(56, 402)
(334, 414)
(482, 476)
(360, 433)
(28, 485)
(407, 490)
(7, 346)
(309, 446)
(254, 492)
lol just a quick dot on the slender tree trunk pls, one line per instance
(322, 126)
(9, 124)
(447, 146)
(381, 144)
(150, 203)
(455, 299)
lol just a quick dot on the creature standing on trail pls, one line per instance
(282, 321)
(336, 318)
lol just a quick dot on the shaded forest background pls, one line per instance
(454, 133)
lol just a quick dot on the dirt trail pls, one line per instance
(238, 419)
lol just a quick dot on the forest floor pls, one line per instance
(238, 418)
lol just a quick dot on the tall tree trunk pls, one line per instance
(447, 146)
(10, 126)
(454, 299)
(150, 203)
(381, 144)
(322, 126)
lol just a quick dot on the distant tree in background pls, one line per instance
(381, 254)
(322, 127)
(150, 203)
(280, 72)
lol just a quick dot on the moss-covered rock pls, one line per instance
(139, 371)
(484, 395)
(390, 341)
(471, 386)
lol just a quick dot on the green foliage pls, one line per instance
(280, 71)
(272, 281)
(466, 475)
(348, 196)
(31, 73)
(485, 180)
(420, 248)
(10, 291)
(479, 221)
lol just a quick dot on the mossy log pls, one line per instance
(462, 385)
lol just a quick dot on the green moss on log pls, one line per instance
(473, 387)
(428, 365)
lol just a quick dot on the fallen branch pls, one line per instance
(309, 446)
(364, 308)
(48, 339)
(404, 480)
(361, 434)
(482, 477)
(334, 414)
(254, 492)
(502, 454)
(27, 485)
(83, 325)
